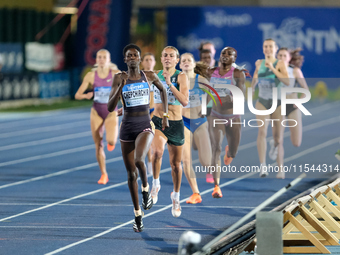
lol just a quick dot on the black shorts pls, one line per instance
(131, 127)
(289, 109)
(174, 133)
(267, 103)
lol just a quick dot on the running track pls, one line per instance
(51, 202)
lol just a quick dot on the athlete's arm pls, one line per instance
(164, 97)
(118, 83)
(255, 76)
(240, 80)
(88, 79)
(300, 79)
(183, 94)
(281, 72)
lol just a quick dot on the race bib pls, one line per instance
(194, 99)
(102, 94)
(157, 94)
(222, 92)
(136, 94)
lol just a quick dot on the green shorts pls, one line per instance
(174, 133)
(267, 103)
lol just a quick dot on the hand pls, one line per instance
(165, 123)
(167, 76)
(120, 111)
(89, 95)
(268, 64)
(123, 78)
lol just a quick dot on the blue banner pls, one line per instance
(315, 30)
(104, 24)
(54, 85)
(12, 57)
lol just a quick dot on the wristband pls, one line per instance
(166, 115)
(169, 85)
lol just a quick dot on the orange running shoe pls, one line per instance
(217, 192)
(209, 178)
(103, 179)
(227, 160)
(194, 199)
(110, 147)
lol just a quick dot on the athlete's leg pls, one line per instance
(97, 135)
(128, 152)
(278, 135)
(175, 155)
(111, 127)
(142, 144)
(157, 146)
(187, 164)
(262, 133)
(233, 134)
(203, 143)
(295, 132)
(217, 135)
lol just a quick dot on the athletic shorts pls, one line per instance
(268, 102)
(131, 127)
(174, 133)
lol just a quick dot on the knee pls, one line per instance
(262, 134)
(175, 166)
(296, 143)
(157, 154)
(139, 163)
(132, 176)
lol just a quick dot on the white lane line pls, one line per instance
(241, 147)
(323, 145)
(49, 155)
(66, 171)
(73, 198)
(45, 141)
(45, 129)
(128, 205)
(309, 127)
(145, 216)
(61, 118)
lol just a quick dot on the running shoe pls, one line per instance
(217, 193)
(209, 178)
(263, 171)
(337, 155)
(273, 150)
(176, 209)
(154, 193)
(194, 199)
(280, 175)
(138, 224)
(227, 160)
(110, 147)
(103, 179)
(147, 200)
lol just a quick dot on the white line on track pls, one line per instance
(241, 147)
(323, 145)
(45, 141)
(49, 155)
(45, 129)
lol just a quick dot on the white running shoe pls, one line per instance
(280, 175)
(149, 169)
(273, 150)
(263, 171)
(176, 209)
(154, 193)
